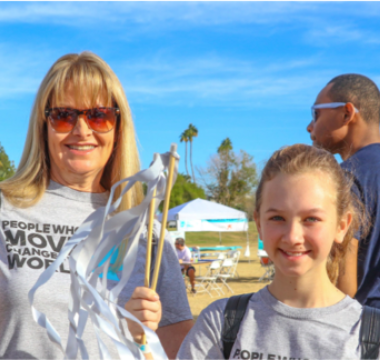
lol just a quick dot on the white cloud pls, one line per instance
(22, 69)
(337, 34)
(201, 13)
(221, 81)
(179, 13)
(206, 79)
(317, 23)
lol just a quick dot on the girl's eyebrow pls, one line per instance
(273, 210)
(313, 210)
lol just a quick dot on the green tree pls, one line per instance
(184, 137)
(184, 190)
(192, 133)
(226, 145)
(7, 168)
(230, 177)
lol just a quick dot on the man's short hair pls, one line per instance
(361, 91)
(180, 241)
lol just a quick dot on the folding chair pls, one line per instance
(207, 283)
(234, 255)
(221, 256)
(226, 272)
(267, 264)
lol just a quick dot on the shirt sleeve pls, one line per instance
(171, 288)
(204, 339)
(170, 284)
(187, 255)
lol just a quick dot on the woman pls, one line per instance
(80, 141)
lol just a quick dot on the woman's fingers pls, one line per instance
(147, 315)
(145, 305)
(138, 305)
(142, 292)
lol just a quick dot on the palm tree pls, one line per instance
(184, 137)
(226, 145)
(192, 133)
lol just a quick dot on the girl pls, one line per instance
(306, 216)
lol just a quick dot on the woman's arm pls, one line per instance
(172, 336)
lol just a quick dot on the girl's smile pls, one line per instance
(294, 255)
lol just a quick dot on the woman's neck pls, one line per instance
(80, 183)
(307, 291)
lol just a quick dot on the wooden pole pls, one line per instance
(165, 210)
(149, 245)
(149, 240)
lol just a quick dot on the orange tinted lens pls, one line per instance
(101, 120)
(63, 120)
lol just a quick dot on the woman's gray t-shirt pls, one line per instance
(30, 239)
(272, 330)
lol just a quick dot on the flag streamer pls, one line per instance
(98, 236)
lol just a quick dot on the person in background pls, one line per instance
(345, 121)
(184, 255)
(81, 141)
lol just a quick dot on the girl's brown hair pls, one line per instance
(301, 158)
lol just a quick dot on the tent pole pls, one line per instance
(220, 238)
(249, 259)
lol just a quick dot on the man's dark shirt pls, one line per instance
(364, 165)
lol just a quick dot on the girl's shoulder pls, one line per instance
(214, 312)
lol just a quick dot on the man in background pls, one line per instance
(184, 256)
(345, 121)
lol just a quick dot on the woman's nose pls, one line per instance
(81, 127)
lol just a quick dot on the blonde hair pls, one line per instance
(88, 73)
(301, 158)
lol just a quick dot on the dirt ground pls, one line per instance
(249, 271)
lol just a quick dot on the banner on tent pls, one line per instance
(213, 225)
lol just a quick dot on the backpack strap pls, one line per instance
(233, 315)
(370, 333)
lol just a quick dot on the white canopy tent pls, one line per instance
(203, 215)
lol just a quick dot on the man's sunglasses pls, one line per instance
(332, 105)
(101, 120)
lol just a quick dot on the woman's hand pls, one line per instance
(145, 305)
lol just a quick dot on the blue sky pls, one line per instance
(246, 70)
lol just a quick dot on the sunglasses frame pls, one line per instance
(332, 105)
(80, 112)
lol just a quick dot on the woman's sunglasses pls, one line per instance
(101, 120)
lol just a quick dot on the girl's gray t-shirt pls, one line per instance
(272, 330)
(30, 240)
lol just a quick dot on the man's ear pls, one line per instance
(349, 113)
